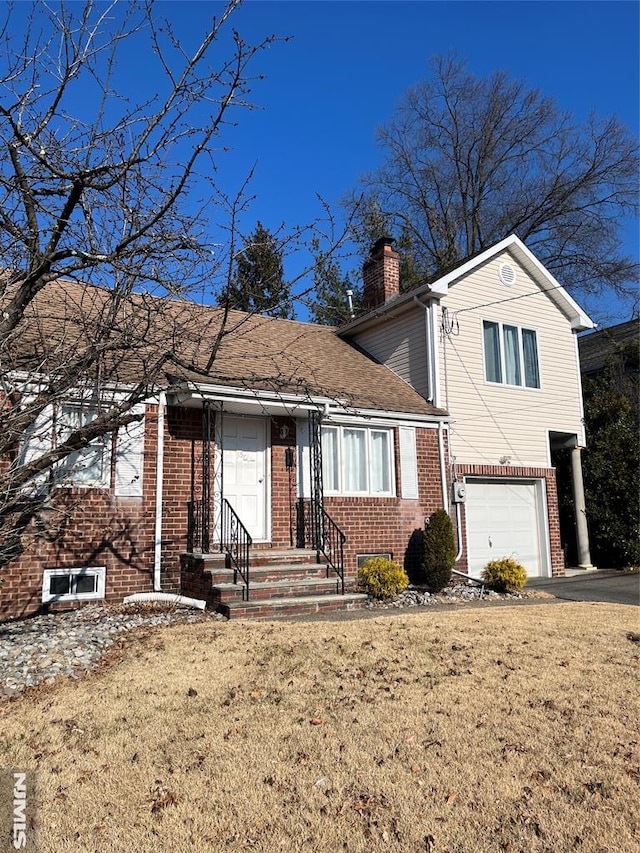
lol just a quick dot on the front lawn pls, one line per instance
(515, 729)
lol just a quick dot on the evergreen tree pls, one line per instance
(330, 306)
(612, 459)
(258, 285)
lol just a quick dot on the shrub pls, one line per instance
(439, 551)
(382, 578)
(505, 575)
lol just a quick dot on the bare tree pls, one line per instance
(470, 160)
(103, 186)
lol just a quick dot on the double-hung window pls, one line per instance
(88, 466)
(357, 461)
(510, 355)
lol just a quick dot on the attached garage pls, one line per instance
(506, 518)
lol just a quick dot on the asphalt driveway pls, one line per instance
(611, 587)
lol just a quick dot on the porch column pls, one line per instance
(582, 533)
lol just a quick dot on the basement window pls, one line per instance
(82, 584)
(362, 558)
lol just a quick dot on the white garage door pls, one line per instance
(504, 520)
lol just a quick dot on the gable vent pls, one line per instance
(507, 274)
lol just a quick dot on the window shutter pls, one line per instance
(37, 440)
(37, 436)
(304, 458)
(129, 457)
(408, 463)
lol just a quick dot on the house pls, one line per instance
(494, 342)
(298, 450)
(620, 343)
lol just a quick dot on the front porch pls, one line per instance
(283, 582)
(254, 546)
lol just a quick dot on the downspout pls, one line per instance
(443, 470)
(459, 532)
(157, 557)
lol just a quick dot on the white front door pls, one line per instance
(244, 476)
(503, 520)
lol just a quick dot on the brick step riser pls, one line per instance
(257, 560)
(267, 611)
(225, 596)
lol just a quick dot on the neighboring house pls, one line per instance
(620, 343)
(610, 362)
(301, 435)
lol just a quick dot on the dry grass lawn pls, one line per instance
(512, 729)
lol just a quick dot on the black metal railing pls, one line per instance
(194, 527)
(235, 541)
(316, 529)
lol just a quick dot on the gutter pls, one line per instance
(157, 556)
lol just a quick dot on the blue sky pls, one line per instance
(348, 63)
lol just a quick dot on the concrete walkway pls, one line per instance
(609, 586)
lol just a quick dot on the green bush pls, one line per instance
(505, 575)
(439, 551)
(382, 578)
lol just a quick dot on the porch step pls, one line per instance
(268, 589)
(263, 574)
(283, 582)
(298, 606)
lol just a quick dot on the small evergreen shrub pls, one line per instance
(505, 575)
(439, 551)
(382, 578)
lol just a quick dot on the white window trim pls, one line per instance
(368, 430)
(97, 571)
(500, 324)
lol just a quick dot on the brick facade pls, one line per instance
(89, 527)
(100, 529)
(386, 525)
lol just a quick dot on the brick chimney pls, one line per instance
(380, 274)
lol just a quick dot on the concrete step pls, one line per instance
(296, 606)
(263, 574)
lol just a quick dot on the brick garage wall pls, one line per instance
(511, 472)
(92, 527)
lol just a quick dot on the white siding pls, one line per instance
(494, 422)
(400, 344)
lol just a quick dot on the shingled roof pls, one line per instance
(172, 341)
(597, 348)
